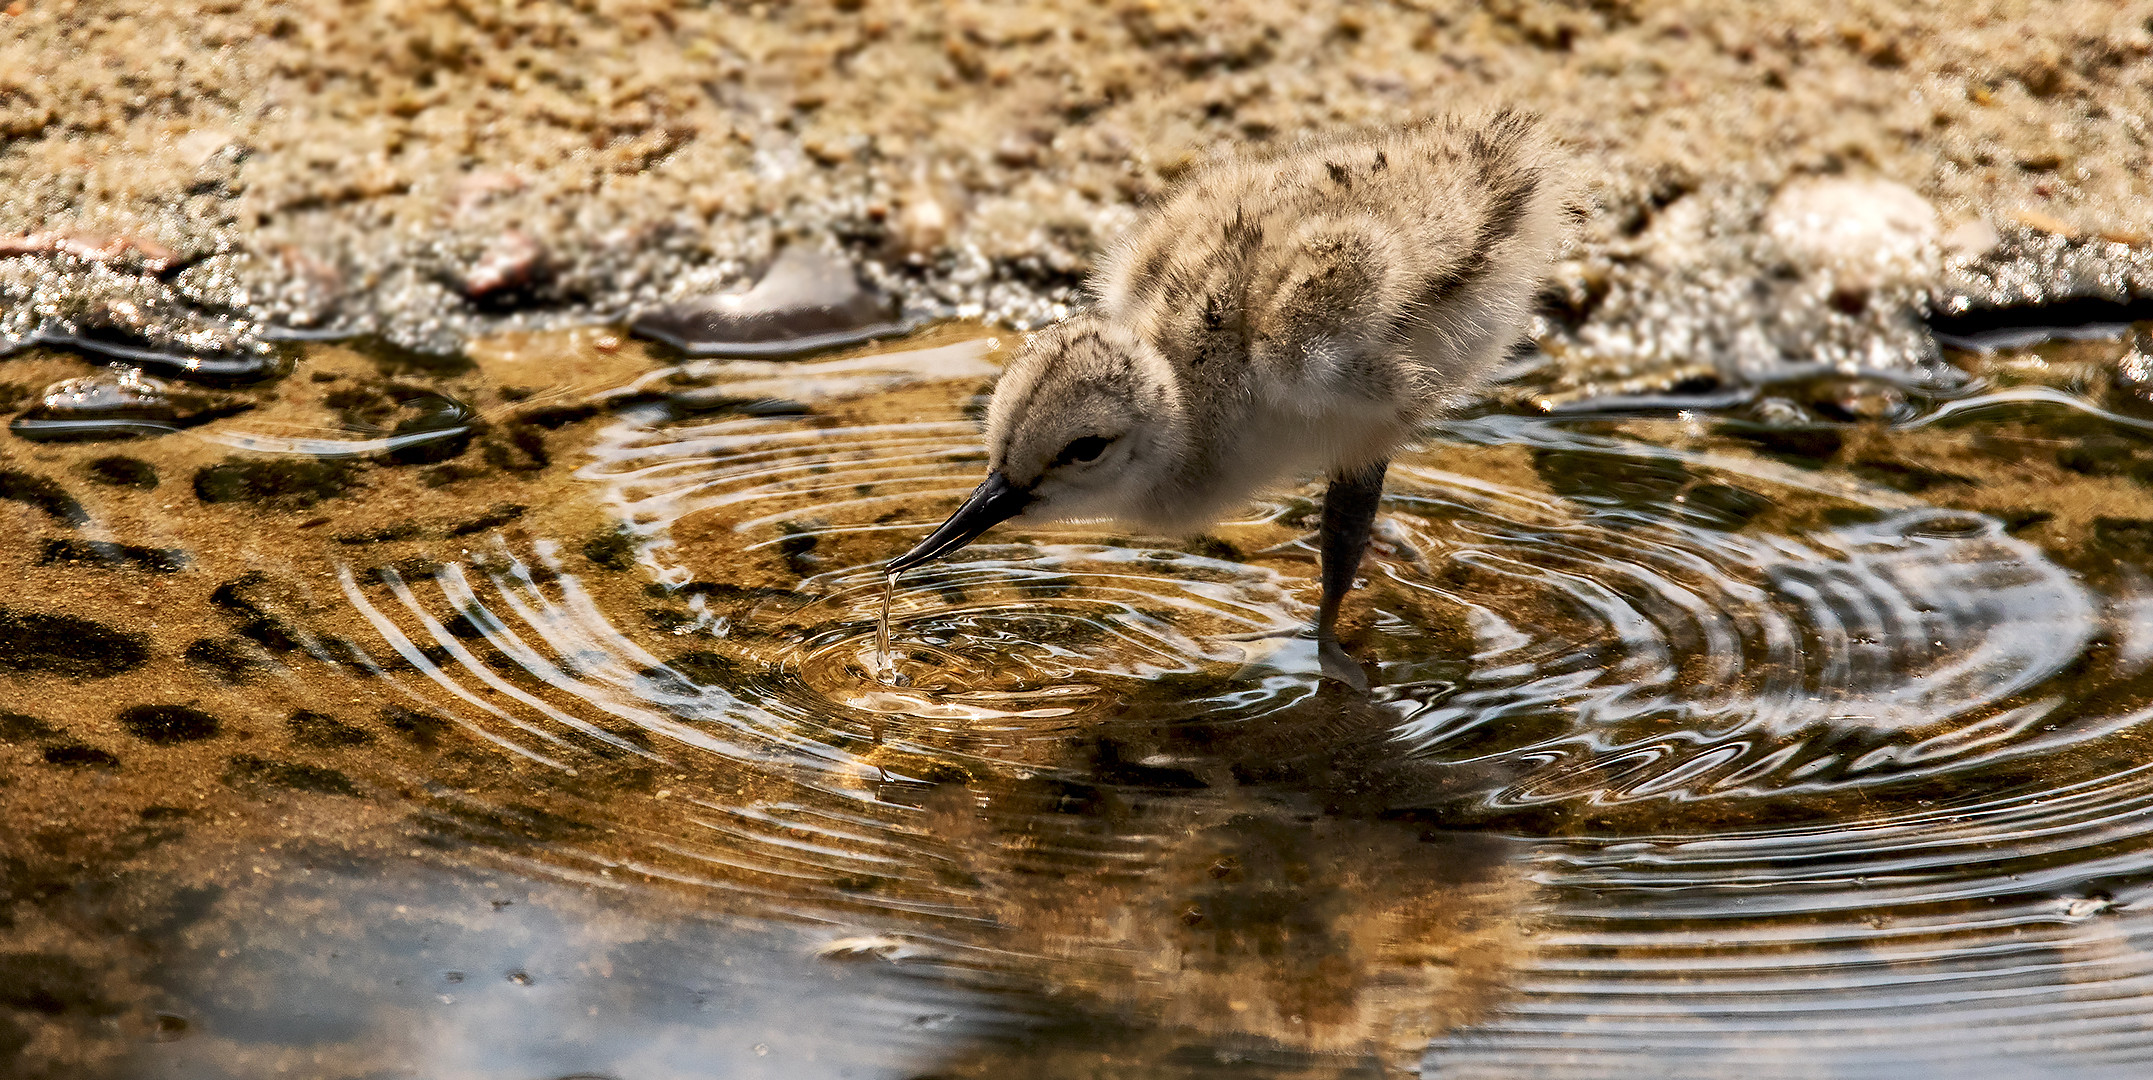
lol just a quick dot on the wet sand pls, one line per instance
(190, 176)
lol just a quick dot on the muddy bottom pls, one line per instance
(521, 715)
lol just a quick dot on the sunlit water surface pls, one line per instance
(1736, 742)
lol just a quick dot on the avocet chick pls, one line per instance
(1277, 318)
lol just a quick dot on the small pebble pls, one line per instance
(1863, 234)
(1780, 412)
(510, 262)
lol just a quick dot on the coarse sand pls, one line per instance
(1772, 184)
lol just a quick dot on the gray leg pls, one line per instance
(1349, 514)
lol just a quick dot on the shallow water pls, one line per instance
(524, 717)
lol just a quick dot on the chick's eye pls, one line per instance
(1087, 448)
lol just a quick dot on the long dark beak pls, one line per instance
(993, 502)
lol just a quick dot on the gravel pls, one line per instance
(198, 179)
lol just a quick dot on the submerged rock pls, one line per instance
(35, 641)
(112, 555)
(274, 483)
(125, 472)
(119, 403)
(167, 725)
(807, 300)
(40, 493)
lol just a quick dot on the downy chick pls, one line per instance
(1276, 318)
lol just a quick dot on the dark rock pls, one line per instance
(392, 359)
(80, 756)
(360, 406)
(43, 494)
(434, 427)
(112, 556)
(461, 627)
(445, 475)
(118, 471)
(797, 543)
(245, 769)
(16, 727)
(687, 673)
(167, 725)
(118, 403)
(276, 483)
(322, 731)
(14, 1038)
(500, 515)
(1811, 445)
(416, 568)
(241, 598)
(612, 548)
(512, 825)
(66, 645)
(2127, 538)
(554, 417)
(228, 661)
(1211, 547)
(707, 668)
(420, 729)
(522, 448)
(1905, 476)
(387, 534)
(807, 300)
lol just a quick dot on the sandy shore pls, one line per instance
(188, 175)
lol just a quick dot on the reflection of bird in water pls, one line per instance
(1276, 318)
(1208, 924)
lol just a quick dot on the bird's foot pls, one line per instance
(1339, 667)
(1289, 653)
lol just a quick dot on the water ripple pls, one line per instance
(1802, 767)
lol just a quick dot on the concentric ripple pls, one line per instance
(1644, 640)
(2002, 938)
(1640, 622)
(1017, 633)
(1698, 749)
(1631, 624)
(1031, 634)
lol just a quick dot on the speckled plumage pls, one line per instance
(1278, 317)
